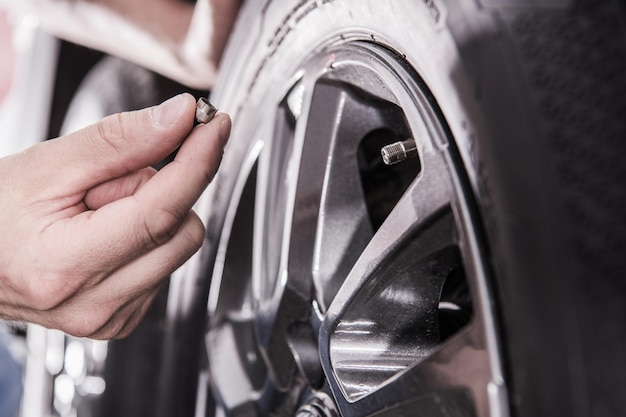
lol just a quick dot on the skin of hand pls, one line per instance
(90, 231)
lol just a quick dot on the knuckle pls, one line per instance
(161, 226)
(77, 330)
(112, 127)
(49, 291)
(112, 131)
(82, 325)
(125, 328)
(120, 325)
(86, 323)
(111, 331)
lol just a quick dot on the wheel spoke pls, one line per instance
(453, 380)
(234, 357)
(331, 224)
(426, 197)
(389, 305)
(282, 294)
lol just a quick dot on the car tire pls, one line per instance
(523, 101)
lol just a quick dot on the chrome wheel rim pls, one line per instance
(343, 279)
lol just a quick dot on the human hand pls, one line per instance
(90, 231)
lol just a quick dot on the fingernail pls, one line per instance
(166, 113)
(225, 126)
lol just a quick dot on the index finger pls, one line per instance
(123, 230)
(177, 186)
(115, 146)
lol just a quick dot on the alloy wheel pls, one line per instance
(342, 284)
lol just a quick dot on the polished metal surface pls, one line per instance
(398, 151)
(205, 111)
(338, 275)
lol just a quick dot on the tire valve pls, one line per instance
(205, 111)
(398, 151)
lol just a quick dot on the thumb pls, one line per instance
(120, 144)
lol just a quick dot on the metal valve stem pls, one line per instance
(398, 151)
(205, 111)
